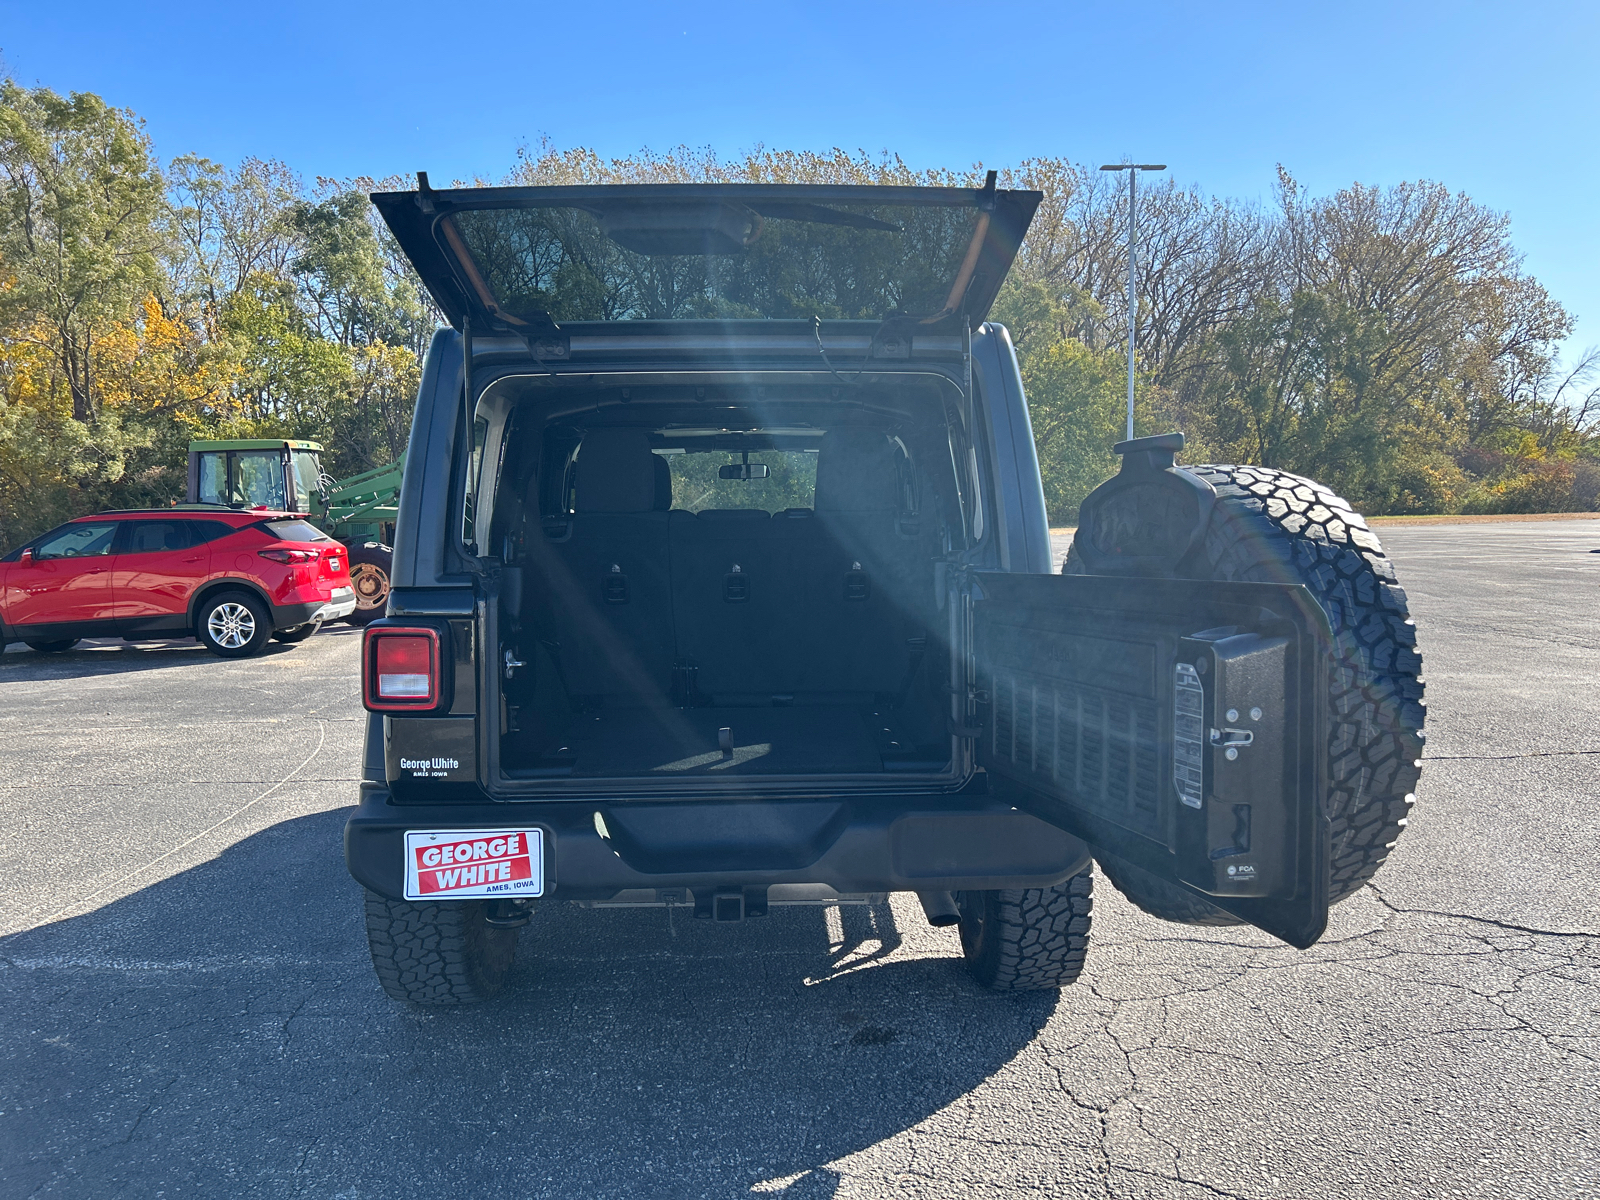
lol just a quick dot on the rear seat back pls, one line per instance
(729, 597)
(819, 605)
(868, 586)
(602, 600)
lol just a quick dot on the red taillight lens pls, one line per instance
(289, 556)
(401, 669)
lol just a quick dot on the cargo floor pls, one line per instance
(818, 740)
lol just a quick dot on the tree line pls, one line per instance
(1383, 340)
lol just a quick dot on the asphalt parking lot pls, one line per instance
(189, 1009)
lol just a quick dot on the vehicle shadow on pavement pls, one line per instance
(112, 656)
(221, 1032)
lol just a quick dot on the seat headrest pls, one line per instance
(733, 514)
(857, 471)
(616, 472)
(663, 484)
(155, 535)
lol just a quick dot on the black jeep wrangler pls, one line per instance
(722, 579)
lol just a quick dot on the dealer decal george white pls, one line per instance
(471, 864)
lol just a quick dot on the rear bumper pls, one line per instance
(918, 843)
(341, 603)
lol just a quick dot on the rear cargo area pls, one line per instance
(666, 743)
(672, 622)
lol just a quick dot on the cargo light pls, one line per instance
(400, 669)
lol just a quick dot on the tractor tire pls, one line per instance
(298, 634)
(234, 624)
(438, 954)
(1271, 526)
(371, 568)
(55, 646)
(1027, 939)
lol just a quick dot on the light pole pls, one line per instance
(1133, 170)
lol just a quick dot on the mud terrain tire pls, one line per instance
(1027, 939)
(1271, 526)
(438, 954)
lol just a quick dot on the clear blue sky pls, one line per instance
(1497, 100)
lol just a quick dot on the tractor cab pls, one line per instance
(276, 473)
(286, 475)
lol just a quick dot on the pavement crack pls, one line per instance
(1505, 757)
(283, 1033)
(1454, 916)
(1194, 1183)
(300, 1184)
(145, 1111)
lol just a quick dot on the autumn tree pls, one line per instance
(79, 232)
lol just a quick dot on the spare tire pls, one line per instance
(1271, 526)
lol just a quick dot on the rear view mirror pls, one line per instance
(26, 556)
(744, 471)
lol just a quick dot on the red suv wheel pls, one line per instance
(233, 625)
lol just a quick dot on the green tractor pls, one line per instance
(286, 476)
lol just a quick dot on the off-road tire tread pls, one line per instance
(1035, 938)
(1271, 526)
(437, 954)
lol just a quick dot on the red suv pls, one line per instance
(231, 579)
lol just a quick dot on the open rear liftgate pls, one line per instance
(1174, 723)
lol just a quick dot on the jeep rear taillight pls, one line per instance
(400, 669)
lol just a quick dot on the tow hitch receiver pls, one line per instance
(508, 914)
(729, 904)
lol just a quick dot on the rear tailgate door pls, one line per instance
(523, 259)
(1172, 723)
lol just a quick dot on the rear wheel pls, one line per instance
(55, 646)
(370, 570)
(1027, 939)
(298, 634)
(441, 953)
(233, 625)
(1271, 526)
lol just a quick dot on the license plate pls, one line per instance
(474, 864)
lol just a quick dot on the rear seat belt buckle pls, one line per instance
(856, 584)
(735, 586)
(615, 586)
(686, 685)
